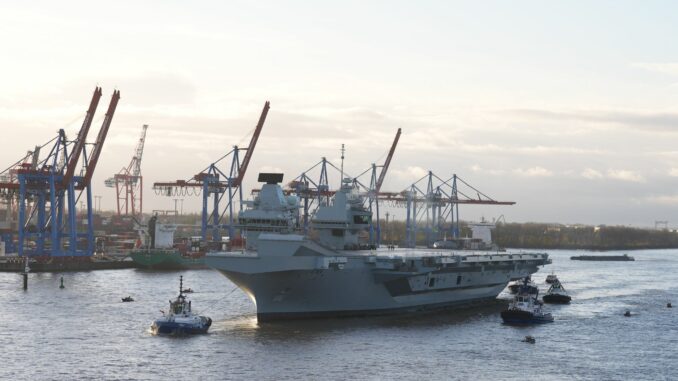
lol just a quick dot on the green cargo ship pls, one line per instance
(158, 250)
(270, 211)
(167, 259)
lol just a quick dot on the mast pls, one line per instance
(341, 181)
(181, 284)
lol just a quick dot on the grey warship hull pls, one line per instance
(312, 282)
(326, 274)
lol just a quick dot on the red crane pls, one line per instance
(128, 182)
(253, 143)
(382, 174)
(101, 138)
(82, 136)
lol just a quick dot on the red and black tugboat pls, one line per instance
(525, 309)
(556, 294)
(524, 285)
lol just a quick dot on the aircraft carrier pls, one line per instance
(333, 274)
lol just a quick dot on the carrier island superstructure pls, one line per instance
(331, 273)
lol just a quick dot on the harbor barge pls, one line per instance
(621, 258)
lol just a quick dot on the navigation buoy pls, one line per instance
(62, 282)
(627, 313)
(25, 274)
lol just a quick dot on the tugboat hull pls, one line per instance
(514, 288)
(557, 299)
(178, 328)
(512, 316)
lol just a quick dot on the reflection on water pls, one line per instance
(309, 329)
(85, 331)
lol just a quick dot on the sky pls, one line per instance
(569, 108)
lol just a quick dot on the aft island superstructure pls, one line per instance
(331, 273)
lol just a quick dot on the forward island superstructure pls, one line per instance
(331, 272)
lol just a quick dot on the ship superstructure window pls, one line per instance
(459, 279)
(431, 282)
(254, 221)
(337, 232)
(361, 220)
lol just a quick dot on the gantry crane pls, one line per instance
(47, 191)
(315, 193)
(436, 206)
(429, 209)
(128, 183)
(217, 184)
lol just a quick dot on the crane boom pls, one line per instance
(253, 143)
(99, 144)
(134, 167)
(382, 175)
(82, 136)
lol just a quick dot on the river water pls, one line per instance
(85, 332)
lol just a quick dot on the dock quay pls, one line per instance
(55, 264)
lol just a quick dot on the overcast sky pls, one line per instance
(569, 108)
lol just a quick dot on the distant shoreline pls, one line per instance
(581, 237)
(594, 249)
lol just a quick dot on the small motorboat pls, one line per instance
(188, 291)
(551, 278)
(127, 299)
(180, 319)
(529, 339)
(524, 285)
(556, 294)
(627, 313)
(525, 309)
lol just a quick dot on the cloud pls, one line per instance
(644, 121)
(270, 169)
(479, 169)
(410, 173)
(663, 199)
(592, 174)
(673, 172)
(670, 68)
(533, 172)
(625, 175)
(614, 174)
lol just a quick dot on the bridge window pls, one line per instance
(361, 220)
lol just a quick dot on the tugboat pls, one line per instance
(557, 294)
(524, 285)
(180, 320)
(525, 309)
(551, 278)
